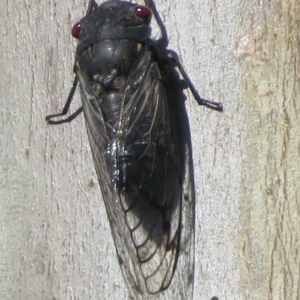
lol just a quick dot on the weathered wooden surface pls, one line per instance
(55, 240)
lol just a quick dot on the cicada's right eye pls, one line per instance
(143, 12)
(76, 29)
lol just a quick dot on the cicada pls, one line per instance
(132, 102)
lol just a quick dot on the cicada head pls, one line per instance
(114, 20)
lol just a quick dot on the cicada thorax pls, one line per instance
(106, 66)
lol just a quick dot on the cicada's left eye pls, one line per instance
(143, 12)
(76, 29)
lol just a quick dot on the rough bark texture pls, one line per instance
(55, 239)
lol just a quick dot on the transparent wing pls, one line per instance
(152, 214)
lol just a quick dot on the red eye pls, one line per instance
(76, 30)
(143, 12)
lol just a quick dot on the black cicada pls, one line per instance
(139, 138)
